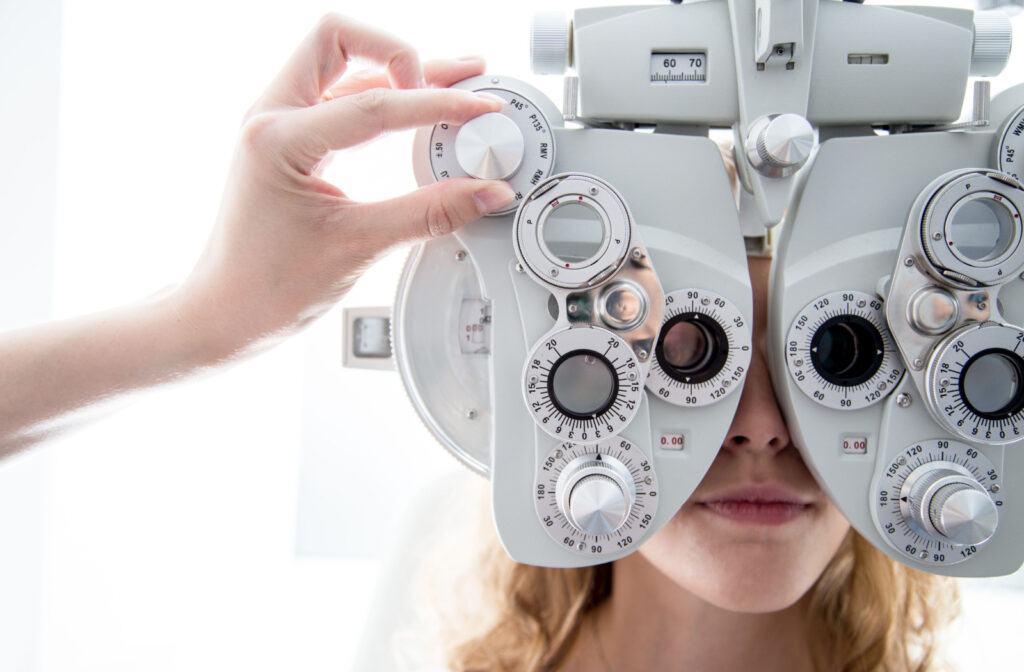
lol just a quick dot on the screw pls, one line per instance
(982, 306)
(648, 480)
(519, 268)
(909, 261)
(573, 309)
(460, 255)
(903, 401)
(726, 383)
(558, 454)
(994, 489)
(917, 363)
(638, 254)
(593, 191)
(936, 236)
(641, 354)
(901, 461)
(554, 272)
(799, 362)
(924, 554)
(470, 414)
(881, 386)
(494, 80)
(862, 303)
(705, 301)
(533, 379)
(944, 382)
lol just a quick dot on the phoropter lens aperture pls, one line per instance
(847, 350)
(992, 384)
(582, 384)
(692, 348)
(981, 229)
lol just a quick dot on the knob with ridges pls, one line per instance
(550, 43)
(596, 494)
(952, 507)
(993, 38)
(779, 144)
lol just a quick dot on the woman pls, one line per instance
(729, 583)
(757, 571)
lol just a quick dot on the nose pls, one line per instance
(758, 424)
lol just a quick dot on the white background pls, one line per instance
(214, 525)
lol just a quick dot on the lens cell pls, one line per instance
(980, 228)
(582, 384)
(574, 232)
(991, 384)
(847, 350)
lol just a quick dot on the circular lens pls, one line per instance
(847, 350)
(573, 232)
(991, 384)
(692, 348)
(582, 384)
(981, 229)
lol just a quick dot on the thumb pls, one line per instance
(434, 210)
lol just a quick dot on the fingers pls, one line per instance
(323, 56)
(430, 211)
(309, 133)
(439, 74)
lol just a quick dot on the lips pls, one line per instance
(758, 504)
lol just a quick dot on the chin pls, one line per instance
(747, 568)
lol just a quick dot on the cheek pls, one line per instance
(745, 568)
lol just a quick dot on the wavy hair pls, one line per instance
(866, 612)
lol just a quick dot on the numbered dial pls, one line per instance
(515, 144)
(582, 384)
(703, 349)
(975, 383)
(938, 502)
(840, 352)
(1011, 145)
(596, 499)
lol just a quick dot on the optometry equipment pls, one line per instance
(585, 348)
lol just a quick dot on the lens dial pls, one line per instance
(514, 144)
(976, 383)
(840, 353)
(1010, 152)
(703, 349)
(971, 229)
(573, 231)
(596, 499)
(938, 501)
(582, 384)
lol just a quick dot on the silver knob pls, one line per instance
(993, 38)
(596, 494)
(933, 311)
(779, 144)
(490, 147)
(952, 507)
(550, 43)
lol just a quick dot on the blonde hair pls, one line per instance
(866, 612)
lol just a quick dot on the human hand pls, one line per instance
(287, 245)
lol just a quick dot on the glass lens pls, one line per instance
(992, 384)
(574, 232)
(685, 346)
(847, 350)
(583, 384)
(981, 230)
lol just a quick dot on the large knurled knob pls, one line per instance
(550, 43)
(596, 495)
(779, 144)
(993, 38)
(964, 513)
(953, 507)
(490, 147)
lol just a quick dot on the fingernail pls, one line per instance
(493, 196)
(490, 97)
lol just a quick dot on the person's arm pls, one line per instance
(285, 247)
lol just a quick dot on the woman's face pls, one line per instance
(758, 531)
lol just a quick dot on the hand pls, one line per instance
(287, 245)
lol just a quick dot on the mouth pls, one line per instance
(758, 505)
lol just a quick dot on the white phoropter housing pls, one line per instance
(803, 86)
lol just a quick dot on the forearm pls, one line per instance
(54, 376)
